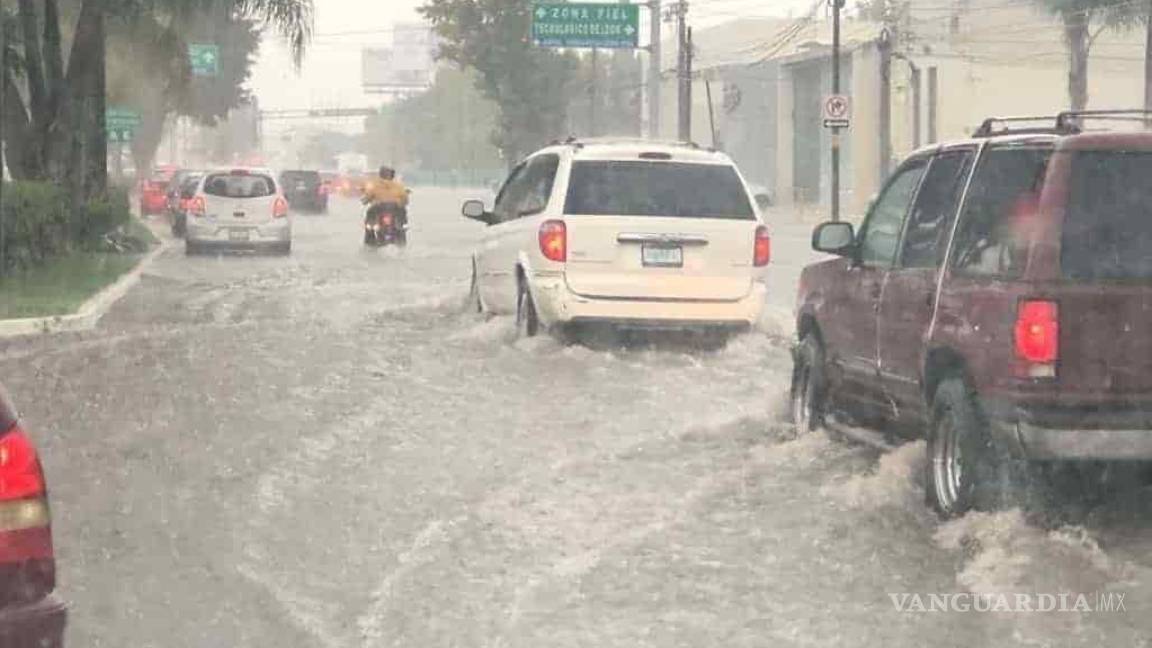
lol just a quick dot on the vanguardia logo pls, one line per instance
(1010, 602)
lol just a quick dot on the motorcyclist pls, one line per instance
(384, 191)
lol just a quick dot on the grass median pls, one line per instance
(61, 285)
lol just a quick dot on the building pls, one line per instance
(932, 70)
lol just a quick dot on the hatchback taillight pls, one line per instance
(27, 558)
(280, 207)
(1037, 331)
(554, 240)
(761, 247)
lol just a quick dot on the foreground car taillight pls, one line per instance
(1037, 335)
(280, 208)
(761, 247)
(554, 240)
(27, 562)
(197, 207)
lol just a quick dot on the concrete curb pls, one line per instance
(90, 311)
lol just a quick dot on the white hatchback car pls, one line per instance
(238, 208)
(636, 234)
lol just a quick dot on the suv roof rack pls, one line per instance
(1068, 118)
(989, 127)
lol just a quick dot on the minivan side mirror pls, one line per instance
(474, 209)
(836, 237)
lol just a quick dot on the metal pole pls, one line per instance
(683, 129)
(836, 90)
(1148, 58)
(916, 105)
(592, 93)
(654, 69)
(711, 117)
(688, 87)
(933, 90)
(885, 104)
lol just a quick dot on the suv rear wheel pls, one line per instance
(965, 468)
(808, 385)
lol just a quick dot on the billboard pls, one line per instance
(406, 65)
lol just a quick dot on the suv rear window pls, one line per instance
(231, 185)
(307, 177)
(992, 237)
(630, 188)
(1107, 226)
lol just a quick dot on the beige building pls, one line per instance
(953, 63)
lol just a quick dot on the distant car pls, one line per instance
(633, 234)
(172, 191)
(154, 190)
(995, 301)
(31, 614)
(305, 190)
(185, 194)
(238, 209)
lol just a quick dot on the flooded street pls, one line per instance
(327, 450)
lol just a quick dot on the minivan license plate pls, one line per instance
(668, 256)
(238, 235)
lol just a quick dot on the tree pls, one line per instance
(1077, 18)
(531, 86)
(57, 130)
(445, 128)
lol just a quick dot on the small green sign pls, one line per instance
(573, 24)
(120, 124)
(120, 134)
(205, 59)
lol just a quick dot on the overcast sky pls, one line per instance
(330, 76)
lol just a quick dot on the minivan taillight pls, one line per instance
(1037, 332)
(280, 208)
(197, 207)
(554, 240)
(761, 247)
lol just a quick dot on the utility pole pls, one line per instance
(684, 126)
(592, 93)
(654, 69)
(1148, 57)
(836, 90)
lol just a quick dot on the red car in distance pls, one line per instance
(154, 190)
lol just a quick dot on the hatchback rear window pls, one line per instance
(229, 185)
(1108, 223)
(628, 188)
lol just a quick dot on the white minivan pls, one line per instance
(636, 234)
(239, 208)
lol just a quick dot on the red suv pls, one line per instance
(997, 301)
(30, 614)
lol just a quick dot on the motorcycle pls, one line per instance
(383, 226)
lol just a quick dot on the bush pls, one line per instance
(100, 218)
(35, 222)
(38, 224)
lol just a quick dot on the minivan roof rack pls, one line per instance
(580, 142)
(989, 127)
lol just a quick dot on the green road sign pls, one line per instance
(586, 25)
(205, 59)
(120, 124)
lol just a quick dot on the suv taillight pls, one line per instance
(1037, 332)
(280, 208)
(761, 247)
(197, 206)
(554, 240)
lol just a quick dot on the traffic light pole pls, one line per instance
(836, 90)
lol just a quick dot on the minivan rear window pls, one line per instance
(634, 188)
(1108, 222)
(231, 185)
